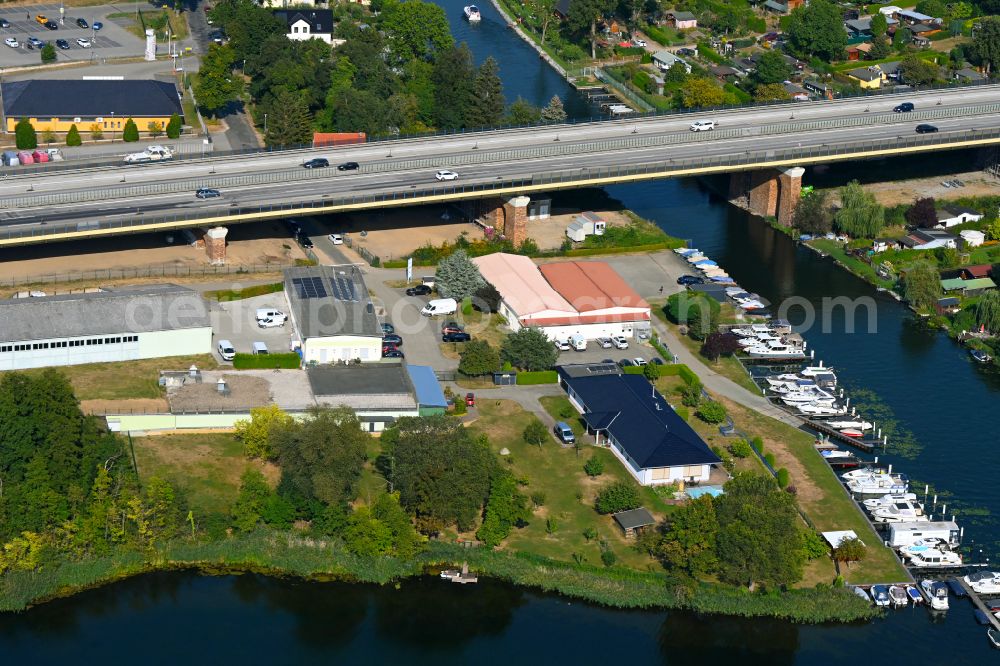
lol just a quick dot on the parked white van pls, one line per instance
(226, 350)
(276, 316)
(259, 348)
(440, 306)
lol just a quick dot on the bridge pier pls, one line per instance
(515, 219)
(215, 245)
(769, 192)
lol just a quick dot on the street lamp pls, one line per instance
(112, 127)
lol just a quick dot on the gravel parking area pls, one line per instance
(236, 321)
(245, 392)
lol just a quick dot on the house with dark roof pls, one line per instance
(928, 239)
(628, 415)
(55, 105)
(306, 24)
(952, 215)
(977, 271)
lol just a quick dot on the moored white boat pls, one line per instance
(852, 432)
(899, 512)
(853, 425)
(813, 409)
(880, 595)
(937, 592)
(472, 14)
(886, 500)
(897, 595)
(984, 582)
(923, 557)
(878, 484)
(774, 350)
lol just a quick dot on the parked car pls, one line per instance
(34, 41)
(690, 279)
(83, 42)
(270, 323)
(207, 193)
(455, 336)
(336, 239)
(563, 345)
(392, 339)
(11, 42)
(656, 360)
(270, 313)
(387, 349)
(625, 363)
(470, 399)
(419, 290)
(685, 51)
(604, 343)
(388, 329)
(444, 174)
(226, 350)
(641, 43)
(4, 23)
(392, 353)
(924, 128)
(259, 349)
(81, 23)
(97, 25)
(905, 107)
(41, 19)
(63, 44)
(51, 25)
(451, 327)
(564, 432)
(619, 342)
(702, 125)
(316, 163)
(348, 166)
(639, 361)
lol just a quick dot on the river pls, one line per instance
(944, 403)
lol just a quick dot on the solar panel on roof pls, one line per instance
(309, 287)
(343, 288)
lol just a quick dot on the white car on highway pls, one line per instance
(702, 125)
(444, 174)
(11, 42)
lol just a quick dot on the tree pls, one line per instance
(691, 394)
(770, 92)
(366, 535)
(986, 42)
(701, 92)
(506, 508)
(922, 213)
(131, 132)
(174, 127)
(813, 214)
(48, 53)
(917, 71)
(759, 540)
(850, 550)
(545, 10)
(25, 137)
(583, 18)
(901, 38)
(523, 112)
(487, 104)
(651, 371)
(921, 285)
(478, 358)
(216, 86)
(677, 73)
(987, 311)
(442, 472)
(452, 79)
(416, 29)
(487, 298)
(719, 344)
(860, 214)
(249, 505)
(617, 496)
(95, 132)
(711, 411)
(535, 433)
(689, 539)
(817, 29)
(155, 128)
(554, 111)
(879, 26)
(73, 136)
(880, 49)
(529, 349)
(594, 466)
(457, 277)
(289, 122)
(772, 67)
(255, 434)
(321, 458)
(931, 8)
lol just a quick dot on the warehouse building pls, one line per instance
(106, 326)
(378, 394)
(333, 315)
(565, 299)
(53, 105)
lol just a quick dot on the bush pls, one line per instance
(741, 448)
(538, 498)
(535, 433)
(608, 557)
(48, 54)
(287, 361)
(617, 496)
(813, 544)
(594, 467)
(691, 395)
(131, 132)
(551, 525)
(712, 412)
(769, 459)
(73, 137)
(538, 377)
(174, 127)
(783, 478)
(25, 137)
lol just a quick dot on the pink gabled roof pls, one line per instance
(521, 284)
(591, 285)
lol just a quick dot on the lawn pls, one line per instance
(125, 380)
(157, 21)
(819, 492)
(247, 292)
(851, 263)
(559, 408)
(569, 493)
(206, 467)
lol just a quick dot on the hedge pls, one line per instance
(247, 292)
(287, 361)
(679, 370)
(632, 370)
(538, 377)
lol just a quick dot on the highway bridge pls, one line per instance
(66, 202)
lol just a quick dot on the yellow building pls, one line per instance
(869, 78)
(57, 105)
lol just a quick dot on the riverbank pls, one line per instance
(283, 554)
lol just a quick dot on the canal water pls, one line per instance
(943, 405)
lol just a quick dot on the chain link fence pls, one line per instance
(143, 272)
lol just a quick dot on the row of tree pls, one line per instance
(26, 136)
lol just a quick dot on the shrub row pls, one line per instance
(287, 361)
(249, 292)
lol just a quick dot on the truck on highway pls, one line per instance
(151, 154)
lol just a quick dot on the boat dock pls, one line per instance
(977, 601)
(865, 444)
(463, 576)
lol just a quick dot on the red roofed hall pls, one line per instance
(565, 299)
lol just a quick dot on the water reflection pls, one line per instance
(692, 638)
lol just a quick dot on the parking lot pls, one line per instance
(236, 321)
(111, 41)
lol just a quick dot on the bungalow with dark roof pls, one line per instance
(953, 214)
(929, 239)
(629, 416)
(977, 271)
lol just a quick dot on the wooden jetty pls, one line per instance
(867, 445)
(977, 601)
(463, 576)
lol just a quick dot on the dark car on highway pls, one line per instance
(304, 241)
(905, 107)
(62, 43)
(456, 336)
(926, 129)
(317, 163)
(419, 290)
(82, 24)
(392, 339)
(348, 166)
(207, 193)
(690, 279)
